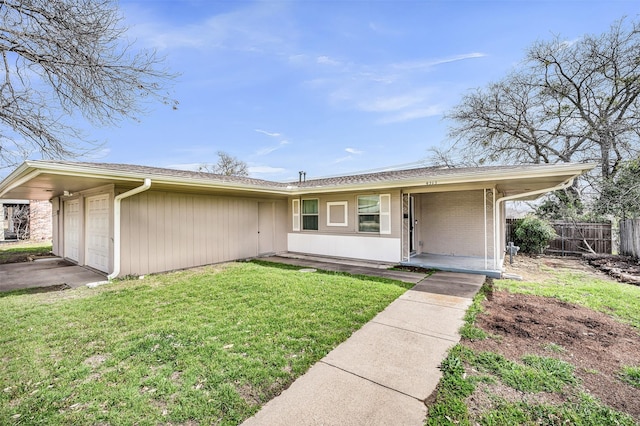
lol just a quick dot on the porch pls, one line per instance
(467, 264)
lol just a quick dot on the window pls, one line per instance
(374, 213)
(369, 213)
(310, 215)
(337, 213)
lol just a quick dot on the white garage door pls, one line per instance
(72, 229)
(97, 237)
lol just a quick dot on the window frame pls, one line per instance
(345, 205)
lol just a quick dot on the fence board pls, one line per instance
(572, 236)
(630, 237)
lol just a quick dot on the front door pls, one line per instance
(412, 221)
(265, 227)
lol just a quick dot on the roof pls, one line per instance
(47, 179)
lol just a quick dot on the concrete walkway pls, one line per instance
(383, 373)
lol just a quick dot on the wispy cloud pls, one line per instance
(353, 151)
(269, 149)
(396, 92)
(435, 62)
(413, 114)
(342, 159)
(325, 60)
(264, 132)
(261, 26)
(393, 103)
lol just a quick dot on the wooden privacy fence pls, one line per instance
(630, 237)
(572, 237)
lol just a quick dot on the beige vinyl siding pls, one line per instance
(452, 223)
(163, 231)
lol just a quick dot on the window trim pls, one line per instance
(345, 221)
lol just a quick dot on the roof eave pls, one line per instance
(570, 171)
(128, 176)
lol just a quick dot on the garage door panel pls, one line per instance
(72, 229)
(97, 233)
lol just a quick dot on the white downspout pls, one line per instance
(497, 234)
(116, 225)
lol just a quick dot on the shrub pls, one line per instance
(533, 235)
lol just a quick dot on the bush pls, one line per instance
(533, 235)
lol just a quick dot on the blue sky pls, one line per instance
(328, 87)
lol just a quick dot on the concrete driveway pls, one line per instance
(45, 273)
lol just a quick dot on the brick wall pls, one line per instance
(40, 220)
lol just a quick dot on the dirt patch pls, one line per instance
(47, 289)
(619, 268)
(536, 268)
(596, 344)
(409, 268)
(622, 268)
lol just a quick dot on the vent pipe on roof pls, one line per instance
(302, 176)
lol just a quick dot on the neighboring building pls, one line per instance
(125, 219)
(25, 220)
(40, 222)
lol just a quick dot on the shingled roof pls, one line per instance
(350, 179)
(35, 172)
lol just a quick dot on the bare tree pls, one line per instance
(20, 220)
(568, 102)
(63, 59)
(227, 165)
(620, 196)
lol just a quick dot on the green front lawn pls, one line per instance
(206, 346)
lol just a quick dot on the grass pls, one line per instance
(630, 375)
(532, 374)
(206, 346)
(12, 252)
(620, 300)
(469, 330)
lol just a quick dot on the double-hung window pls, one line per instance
(369, 213)
(374, 213)
(310, 215)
